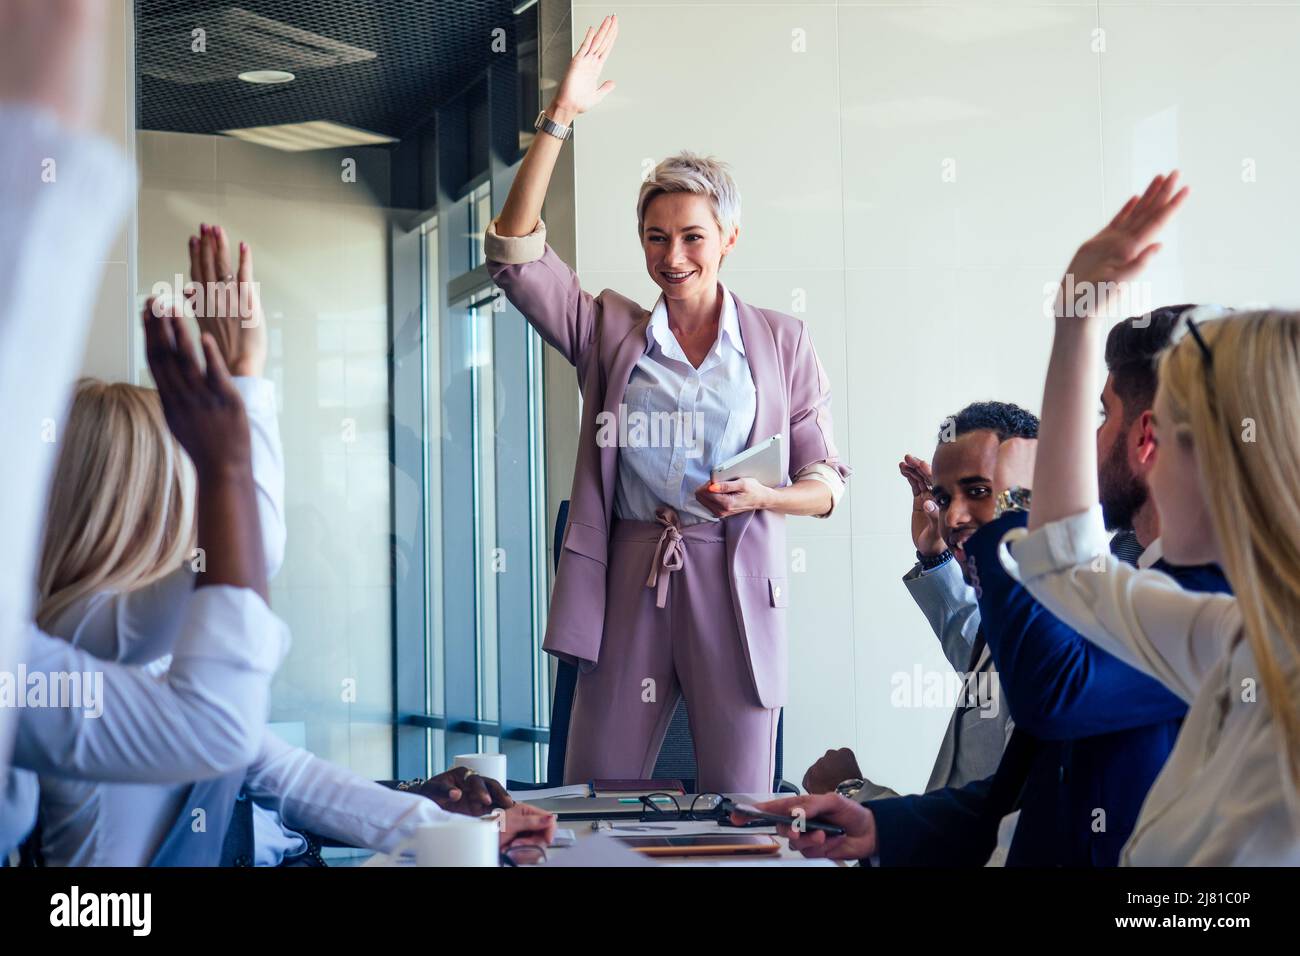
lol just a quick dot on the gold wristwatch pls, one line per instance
(1012, 499)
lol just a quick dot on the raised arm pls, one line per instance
(942, 594)
(545, 289)
(205, 716)
(139, 626)
(1096, 282)
(579, 91)
(228, 306)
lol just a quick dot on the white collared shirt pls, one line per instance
(682, 421)
(1225, 796)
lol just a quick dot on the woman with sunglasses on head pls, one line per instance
(1227, 425)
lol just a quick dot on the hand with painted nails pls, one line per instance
(727, 498)
(228, 304)
(927, 534)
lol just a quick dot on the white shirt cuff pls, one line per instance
(1057, 546)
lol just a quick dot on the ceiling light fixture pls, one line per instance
(300, 137)
(267, 76)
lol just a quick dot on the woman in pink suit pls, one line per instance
(669, 584)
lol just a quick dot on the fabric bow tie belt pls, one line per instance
(670, 555)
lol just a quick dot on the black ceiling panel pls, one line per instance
(381, 65)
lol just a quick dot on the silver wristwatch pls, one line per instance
(548, 125)
(1012, 499)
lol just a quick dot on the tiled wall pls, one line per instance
(320, 248)
(916, 173)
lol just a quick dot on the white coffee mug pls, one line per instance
(462, 841)
(489, 765)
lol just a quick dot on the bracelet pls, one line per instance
(410, 784)
(935, 561)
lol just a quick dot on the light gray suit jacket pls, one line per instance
(981, 722)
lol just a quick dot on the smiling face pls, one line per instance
(963, 486)
(683, 245)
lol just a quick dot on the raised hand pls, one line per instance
(1093, 283)
(228, 305)
(206, 414)
(581, 88)
(926, 533)
(203, 408)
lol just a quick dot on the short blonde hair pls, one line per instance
(1251, 381)
(688, 173)
(121, 508)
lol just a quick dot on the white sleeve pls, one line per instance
(1143, 617)
(316, 795)
(204, 717)
(142, 625)
(62, 198)
(268, 466)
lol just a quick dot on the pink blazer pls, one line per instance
(603, 336)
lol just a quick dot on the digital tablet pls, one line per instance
(762, 463)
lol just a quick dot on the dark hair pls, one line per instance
(1132, 348)
(1007, 420)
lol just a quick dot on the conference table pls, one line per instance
(597, 843)
(600, 845)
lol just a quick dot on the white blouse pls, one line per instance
(1225, 797)
(682, 420)
(677, 422)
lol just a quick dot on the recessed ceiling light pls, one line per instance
(266, 76)
(300, 137)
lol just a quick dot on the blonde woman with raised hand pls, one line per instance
(117, 577)
(1227, 415)
(669, 583)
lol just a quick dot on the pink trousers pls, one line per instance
(670, 629)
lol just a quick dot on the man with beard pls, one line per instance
(1091, 732)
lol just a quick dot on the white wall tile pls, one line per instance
(1213, 111)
